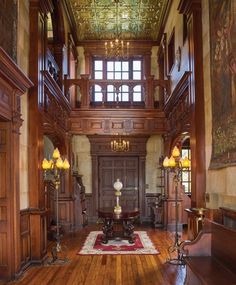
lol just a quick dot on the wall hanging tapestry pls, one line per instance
(223, 81)
(94, 245)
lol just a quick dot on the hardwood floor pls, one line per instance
(109, 269)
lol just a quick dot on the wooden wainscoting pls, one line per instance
(25, 238)
(38, 235)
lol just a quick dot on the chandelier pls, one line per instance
(120, 145)
(117, 48)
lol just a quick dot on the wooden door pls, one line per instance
(126, 169)
(6, 225)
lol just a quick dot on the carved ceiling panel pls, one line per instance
(109, 19)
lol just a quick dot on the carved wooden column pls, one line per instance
(192, 8)
(13, 83)
(88, 63)
(59, 53)
(85, 99)
(38, 11)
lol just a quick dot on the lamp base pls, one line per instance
(176, 257)
(117, 210)
(176, 261)
(59, 255)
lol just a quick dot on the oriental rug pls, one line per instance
(94, 245)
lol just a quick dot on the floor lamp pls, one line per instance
(55, 167)
(175, 164)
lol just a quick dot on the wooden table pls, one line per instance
(126, 218)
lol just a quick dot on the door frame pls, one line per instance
(122, 156)
(101, 146)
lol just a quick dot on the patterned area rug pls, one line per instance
(94, 245)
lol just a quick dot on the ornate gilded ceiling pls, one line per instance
(108, 19)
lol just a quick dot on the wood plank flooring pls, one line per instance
(108, 269)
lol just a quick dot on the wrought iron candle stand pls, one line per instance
(55, 167)
(175, 164)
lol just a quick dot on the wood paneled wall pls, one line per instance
(193, 11)
(13, 83)
(185, 107)
(100, 145)
(25, 238)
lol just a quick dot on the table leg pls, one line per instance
(107, 230)
(128, 228)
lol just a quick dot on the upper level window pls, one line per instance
(118, 70)
(122, 84)
(186, 173)
(98, 69)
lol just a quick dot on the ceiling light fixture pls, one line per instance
(120, 145)
(117, 48)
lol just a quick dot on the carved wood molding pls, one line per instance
(188, 6)
(178, 92)
(12, 74)
(13, 83)
(178, 108)
(101, 144)
(109, 121)
(45, 6)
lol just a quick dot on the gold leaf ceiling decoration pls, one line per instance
(126, 19)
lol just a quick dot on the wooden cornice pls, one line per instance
(56, 91)
(188, 6)
(71, 21)
(13, 74)
(136, 47)
(109, 121)
(45, 6)
(163, 21)
(178, 92)
(101, 144)
(117, 113)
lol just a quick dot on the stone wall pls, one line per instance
(153, 173)
(82, 160)
(8, 24)
(23, 62)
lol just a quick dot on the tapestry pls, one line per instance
(223, 81)
(94, 245)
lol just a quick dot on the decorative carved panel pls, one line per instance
(25, 238)
(100, 147)
(3, 249)
(128, 122)
(13, 83)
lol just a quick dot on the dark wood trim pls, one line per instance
(13, 83)
(12, 74)
(109, 121)
(71, 20)
(195, 120)
(100, 144)
(197, 137)
(164, 21)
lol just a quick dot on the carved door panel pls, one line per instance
(5, 195)
(126, 169)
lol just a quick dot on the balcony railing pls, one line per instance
(116, 93)
(52, 66)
